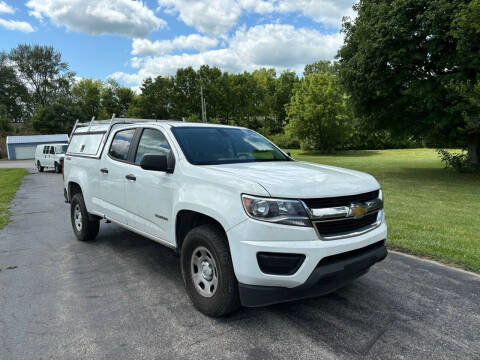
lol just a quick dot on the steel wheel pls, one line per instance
(204, 272)
(77, 215)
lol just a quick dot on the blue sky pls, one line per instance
(131, 40)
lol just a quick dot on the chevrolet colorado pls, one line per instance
(252, 226)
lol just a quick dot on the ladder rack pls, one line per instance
(113, 121)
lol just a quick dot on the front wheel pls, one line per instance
(58, 168)
(85, 228)
(39, 167)
(208, 271)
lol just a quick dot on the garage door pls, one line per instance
(25, 152)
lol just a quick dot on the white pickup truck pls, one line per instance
(252, 226)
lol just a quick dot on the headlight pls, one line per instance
(288, 212)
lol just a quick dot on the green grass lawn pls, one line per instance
(431, 212)
(10, 180)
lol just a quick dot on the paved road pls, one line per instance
(122, 297)
(17, 164)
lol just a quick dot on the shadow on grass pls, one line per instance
(427, 176)
(349, 153)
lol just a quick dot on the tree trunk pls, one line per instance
(474, 149)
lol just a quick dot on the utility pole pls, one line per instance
(202, 99)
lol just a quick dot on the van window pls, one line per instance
(45, 149)
(151, 142)
(52, 150)
(121, 144)
(85, 144)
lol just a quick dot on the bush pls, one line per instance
(285, 141)
(5, 125)
(459, 162)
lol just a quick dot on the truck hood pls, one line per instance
(296, 179)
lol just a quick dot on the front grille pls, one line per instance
(345, 225)
(340, 200)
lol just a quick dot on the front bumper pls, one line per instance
(251, 237)
(328, 276)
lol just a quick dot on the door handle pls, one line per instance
(130, 177)
(104, 170)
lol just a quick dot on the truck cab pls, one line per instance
(252, 226)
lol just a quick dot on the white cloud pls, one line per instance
(212, 17)
(272, 45)
(5, 8)
(329, 12)
(145, 47)
(216, 17)
(16, 25)
(121, 17)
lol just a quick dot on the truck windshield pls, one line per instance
(216, 145)
(61, 149)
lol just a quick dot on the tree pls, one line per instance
(265, 80)
(43, 72)
(186, 93)
(86, 93)
(13, 94)
(115, 99)
(407, 63)
(283, 92)
(57, 118)
(154, 101)
(317, 113)
(212, 90)
(320, 67)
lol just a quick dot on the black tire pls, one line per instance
(58, 168)
(225, 299)
(88, 228)
(39, 168)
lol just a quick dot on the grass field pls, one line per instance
(431, 212)
(10, 180)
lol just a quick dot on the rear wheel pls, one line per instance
(39, 167)
(208, 271)
(84, 227)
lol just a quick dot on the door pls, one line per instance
(24, 152)
(51, 157)
(149, 193)
(44, 157)
(110, 195)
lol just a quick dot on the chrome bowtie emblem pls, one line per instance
(357, 210)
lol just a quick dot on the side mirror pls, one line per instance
(155, 162)
(286, 152)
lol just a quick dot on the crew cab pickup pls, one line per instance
(252, 226)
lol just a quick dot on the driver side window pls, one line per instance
(152, 142)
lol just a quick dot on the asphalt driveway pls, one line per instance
(122, 297)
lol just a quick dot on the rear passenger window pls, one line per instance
(121, 144)
(45, 149)
(151, 142)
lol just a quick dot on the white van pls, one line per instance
(50, 156)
